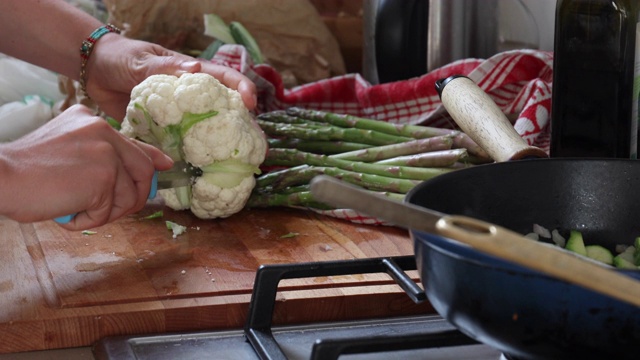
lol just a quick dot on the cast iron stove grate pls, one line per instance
(258, 326)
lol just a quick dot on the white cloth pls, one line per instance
(27, 95)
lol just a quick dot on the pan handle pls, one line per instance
(479, 117)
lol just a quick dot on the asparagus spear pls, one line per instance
(362, 136)
(292, 157)
(375, 155)
(444, 158)
(296, 176)
(382, 152)
(281, 116)
(299, 199)
(362, 152)
(318, 147)
(350, 121)
(408, 130)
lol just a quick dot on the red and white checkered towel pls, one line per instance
(519, 82)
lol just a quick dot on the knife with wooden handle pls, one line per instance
(478, 116)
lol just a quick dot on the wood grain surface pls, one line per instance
(64, 289)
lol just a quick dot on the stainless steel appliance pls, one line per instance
(407, 38)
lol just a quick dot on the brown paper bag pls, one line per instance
(290, 33)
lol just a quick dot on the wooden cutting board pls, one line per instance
(65, 289)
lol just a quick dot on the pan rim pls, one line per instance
(510, 166)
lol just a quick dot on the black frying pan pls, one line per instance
(524, 312)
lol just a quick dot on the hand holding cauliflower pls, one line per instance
(196, 118)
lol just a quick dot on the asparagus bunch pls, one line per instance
(378, 156)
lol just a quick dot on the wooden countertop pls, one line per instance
(64, 289)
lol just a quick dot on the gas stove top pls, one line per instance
(417, 337)
(424, 337)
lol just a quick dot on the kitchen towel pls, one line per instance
(519, 81)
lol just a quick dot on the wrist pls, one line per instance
(87, 50)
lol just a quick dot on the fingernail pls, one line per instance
(166, 161)
(188, 67)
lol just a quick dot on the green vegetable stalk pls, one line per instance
(296, 176)
(377, 156)
(299, 199)
(379, 153)
(444, 158)
(317, 147)
(292, 157)
(406, 130)
(363, 136)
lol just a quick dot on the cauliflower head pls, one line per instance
(197, 119)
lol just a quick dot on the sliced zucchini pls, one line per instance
(624, 260)
(532, 236)
(599, 253)
(575, 243)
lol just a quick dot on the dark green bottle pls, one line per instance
(594, 110)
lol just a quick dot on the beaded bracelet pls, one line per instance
(87, 48)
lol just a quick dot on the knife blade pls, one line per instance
(181, 174)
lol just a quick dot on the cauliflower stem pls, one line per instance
(169, 138)
(228, 173)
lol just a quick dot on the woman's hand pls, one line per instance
(117, 64)
(77, 163)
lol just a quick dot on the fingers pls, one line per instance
(160, 160)
(137, 164)
(234, 80)
(249, 95)
(109, 205)
(134, 180)
(135, 154)
(121, 179)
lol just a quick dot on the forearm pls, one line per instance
(47, 33)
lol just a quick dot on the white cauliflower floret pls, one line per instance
(158, 99)
(225, 138)
(197, 119)
(214, 201)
